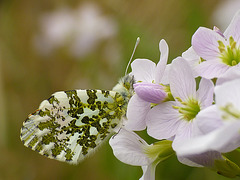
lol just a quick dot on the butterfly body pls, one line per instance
(70, 125)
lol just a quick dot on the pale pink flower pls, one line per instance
(148, 88)
(219, 51)
(129, 148)
(219, 124)
(176, 119)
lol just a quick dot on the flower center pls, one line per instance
(159, 151)
(230, 54)
(189, 108)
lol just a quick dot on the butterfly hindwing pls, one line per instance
(71, 124)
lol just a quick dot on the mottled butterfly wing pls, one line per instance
(71, 124)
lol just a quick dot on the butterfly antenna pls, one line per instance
(135, 47)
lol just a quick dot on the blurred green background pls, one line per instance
(52, 45)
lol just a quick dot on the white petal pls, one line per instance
(234, 28)
(163, 121)
(209, 119)
(182, 82)
(227, 138)
(211, 69)
(224, 139)
(163, 47)
(184, 133)
(143, 70)
(206, 159)
(188, 162)
(136, 113)
(128, 148)
(205, 92)
(231, 74)
(148, 172)
(192, 58)
(165, 79)
(205, 43)
(190, 55)
(228, 93)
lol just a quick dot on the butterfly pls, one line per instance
(70, 125)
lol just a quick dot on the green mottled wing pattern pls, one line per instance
(71, 124)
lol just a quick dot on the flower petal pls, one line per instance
(149, 92)
(223, 143)
(231, 74)
(136, 113)
(211, 69)
(165, 79)
(205, 159)
(234, 28)
(228, 93)
(163, 121)
(192, 58)
(182, 82)
(159, 71)
(224, 139)
(205, 92)
(205, 43)
(185, 132)
(143, 70)
(128, 148)
(187, 161)
(209, 119)
(190, 55)
(148, 172)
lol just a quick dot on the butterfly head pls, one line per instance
(125, 86)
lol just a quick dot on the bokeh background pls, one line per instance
(53, 45)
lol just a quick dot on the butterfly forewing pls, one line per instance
(71, 124)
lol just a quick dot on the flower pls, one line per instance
(148, 89)
(83, 29)
(219, 125)
(131, 149)
(218, 51)
(176, 119)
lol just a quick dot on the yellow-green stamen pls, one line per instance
(189, 108)
(230, 54)
(159, 151)
(230, 112)
(169, 94)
